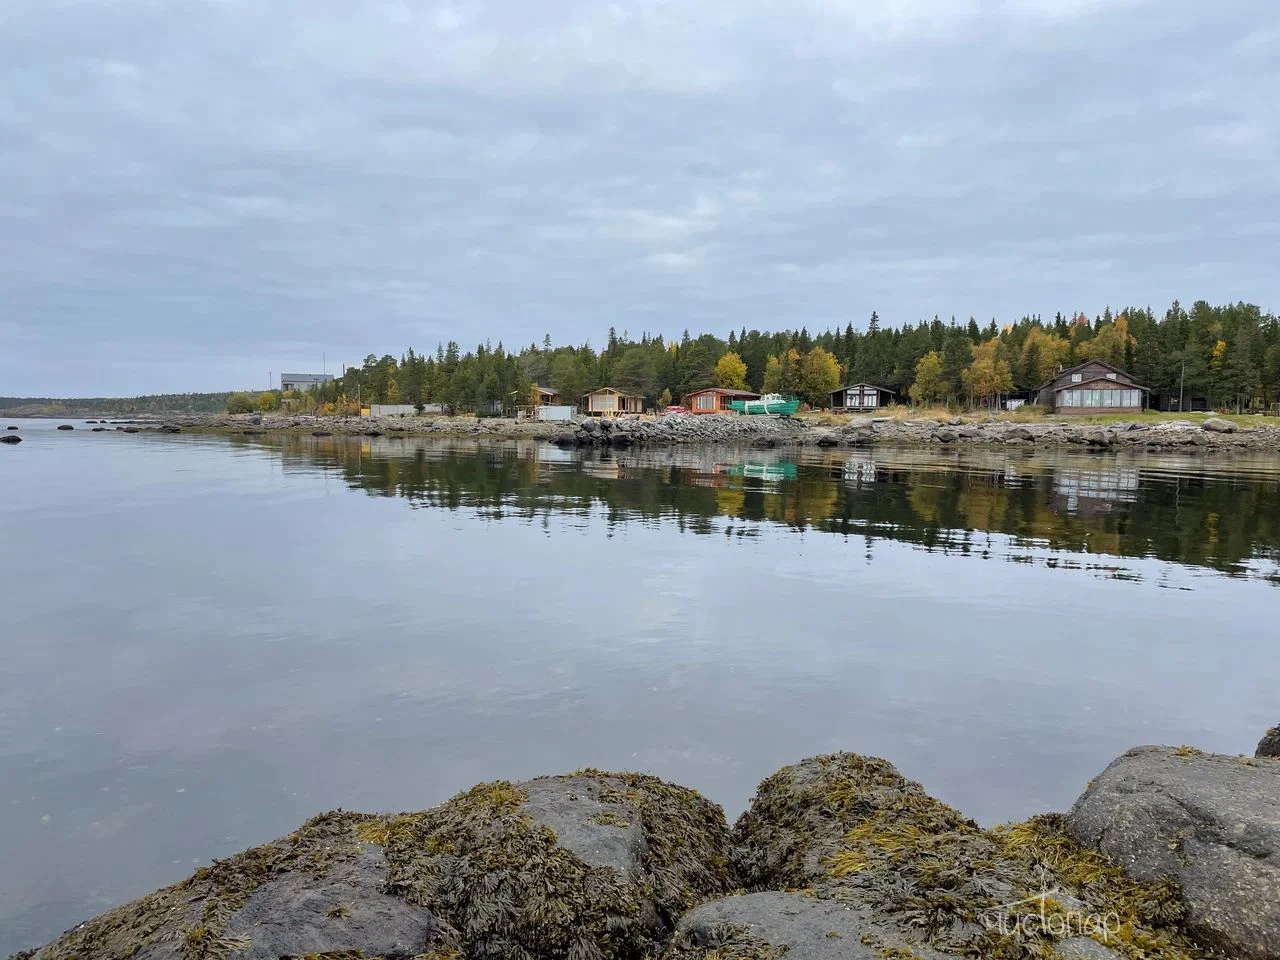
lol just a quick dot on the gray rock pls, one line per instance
(802, 928)
(1082, 948)
(66, 426)
(132, 430)
(590, 425)
(946, 435)
(604, 833)
(1269, 745)
(10, 439)
(1210, 822)
(11, 428)
(99, 430)
(1019, 433)
(565, 440)
(1218, 425)
(346, 909)
(321, 433)
(169, 428)
(826, 438)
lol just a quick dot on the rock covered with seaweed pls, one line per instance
(854, 844)
(590, 866)
(838, 856)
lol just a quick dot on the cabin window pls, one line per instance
(705, 401)
(1077, 377)
(1111, 376)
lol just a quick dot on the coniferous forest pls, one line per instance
(1225, 357)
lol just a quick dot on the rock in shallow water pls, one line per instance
(10, 438)
(1210, 822)
(916, 877)
(590, 865)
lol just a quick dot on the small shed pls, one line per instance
(611, 402)
(861, 397)
(716, 399)
(1093, 387)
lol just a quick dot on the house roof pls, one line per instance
(621, 393)
(305, 377)
(1130, 385)
(545, 390)
(726, 391)
(1101, 363)
(871, 385)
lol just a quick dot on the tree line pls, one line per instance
(1228, 356)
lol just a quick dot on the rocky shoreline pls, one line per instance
(1170, 853)
(1184, 435)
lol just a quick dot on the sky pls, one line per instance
(197, 194)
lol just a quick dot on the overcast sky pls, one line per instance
(199, 192)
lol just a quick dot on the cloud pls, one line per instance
(200, 190)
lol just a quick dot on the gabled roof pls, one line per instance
(1130, 385)
(1079, 366)
(871, 385)
(621, 393)
(726, 391)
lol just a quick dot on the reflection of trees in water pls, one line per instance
(1141, 506)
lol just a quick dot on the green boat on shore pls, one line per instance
(772, 403)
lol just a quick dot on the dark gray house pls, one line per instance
(860, 396)
(1094, 386)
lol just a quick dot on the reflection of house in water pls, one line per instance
(857, 470)
(1095, 490)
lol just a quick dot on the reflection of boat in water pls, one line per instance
(773, 403)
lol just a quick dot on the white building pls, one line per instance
(303, 381)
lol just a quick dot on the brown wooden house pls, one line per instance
(611, 402)
(1093, 387)
(716, 399)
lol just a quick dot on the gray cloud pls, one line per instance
(199, 191)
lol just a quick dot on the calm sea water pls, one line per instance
(206, 640)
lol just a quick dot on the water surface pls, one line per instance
(207, 639)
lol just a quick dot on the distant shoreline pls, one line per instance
(1213, 433)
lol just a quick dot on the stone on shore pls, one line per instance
(916, 875)
(1209, 822)
(11, 428)
(589, 865)
(65, 426)
(11, 439)
(1269, 745)
(1218, 425)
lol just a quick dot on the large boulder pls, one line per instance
(1218, 425)
(11, 428)
(1269, 745)
(65, 426)
(1211, 823)
(10, 438)
(915, 875)
(589, 865)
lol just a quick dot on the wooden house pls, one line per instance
(716, 399)
(860, 397)
(611, 402)
(1094, 386)
(546, 396)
